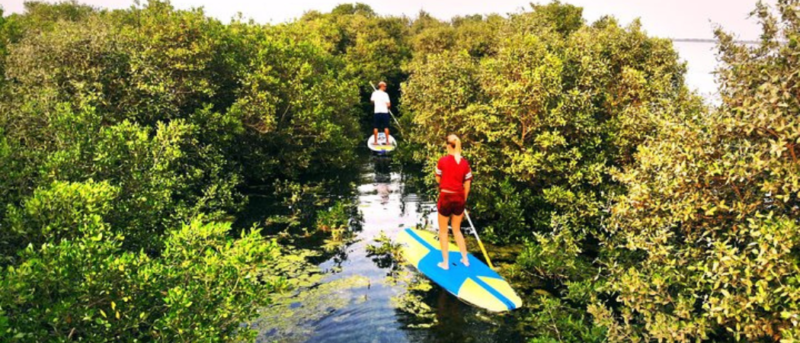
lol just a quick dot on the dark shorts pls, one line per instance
(451, 204)
(381, 121)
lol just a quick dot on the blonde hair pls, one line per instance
(455, 142)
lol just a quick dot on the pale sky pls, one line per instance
(662, 18)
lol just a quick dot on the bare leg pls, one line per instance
(462, 245)
(375, 132)
(444, 239)
(386, 131)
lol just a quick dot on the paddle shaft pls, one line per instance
(390, 111)
(480, 244)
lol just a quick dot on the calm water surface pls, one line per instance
(359, 306)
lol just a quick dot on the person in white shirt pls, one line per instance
(382, 104)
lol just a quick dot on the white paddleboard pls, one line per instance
(381, 146)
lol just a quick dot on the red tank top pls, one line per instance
(453, 173)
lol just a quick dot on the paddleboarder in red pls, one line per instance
(454, 177)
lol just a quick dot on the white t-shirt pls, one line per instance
(380, 98)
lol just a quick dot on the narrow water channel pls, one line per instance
(356, 302)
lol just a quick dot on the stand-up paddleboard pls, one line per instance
(381, 147)
(477, 284)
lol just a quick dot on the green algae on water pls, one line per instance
(292, 315)
(388, 254)
(411, 300)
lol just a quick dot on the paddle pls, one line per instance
(485, 255)
(390, 112)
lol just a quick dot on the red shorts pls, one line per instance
(451, 204)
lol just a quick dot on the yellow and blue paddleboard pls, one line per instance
(477, 284)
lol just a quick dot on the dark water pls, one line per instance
(358, 307)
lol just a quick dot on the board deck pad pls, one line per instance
(477, 284)
(381, 147)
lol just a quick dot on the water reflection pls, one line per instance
(389, 197)
(382, 167)
(448, 314)
(383, 176)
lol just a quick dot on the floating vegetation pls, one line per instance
(411, 300)
(336, 221)
(388, 254)
(335, 217)
(310, 205)
(305, 297)
(292, 316)
(294, 269)
(295, 199)
(336, 244)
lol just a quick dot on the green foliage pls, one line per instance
(335, 217)
(7, 169)
(564, 18)
(386, 254)
(476, 34)
(336, 222)
(553, 321)
(298, 106)
(57, 213)
(385, 247)
(353, 9)
(510, 205)
(118, 127)
(705, 243)
(89, 288)
(556, 256)
(547, 116)
(371, 48)
(126, 136)
(155, 64)
(163, 176)
(302, 205)
(39, 15)
(5, 40)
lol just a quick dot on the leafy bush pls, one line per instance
(554, 321)
(550, 113)
(335, 217)
(386, 253)
(89, 288)
(370, 48)
(125, 136)
(57, 213)
(298, 108)
(705, 244)
(78, 282)
(116, 128)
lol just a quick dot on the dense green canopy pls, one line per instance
(129, 138)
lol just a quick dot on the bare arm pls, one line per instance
(467, 184)
(438, 179)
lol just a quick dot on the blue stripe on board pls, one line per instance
(490, 289)
(420, 240)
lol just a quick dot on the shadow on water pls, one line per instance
(361, 297)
